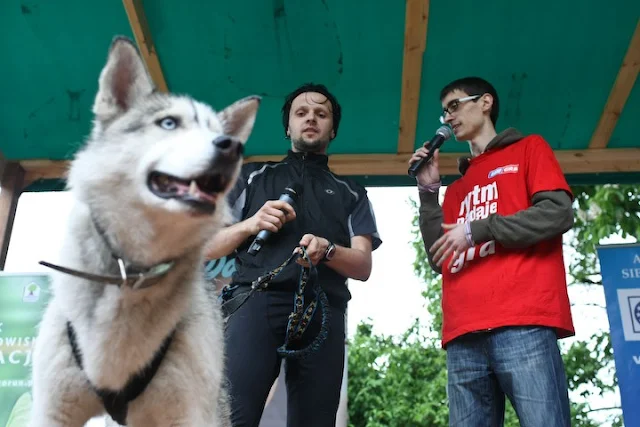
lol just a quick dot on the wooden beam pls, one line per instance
(44, 169)
(140, 27)
(415, 42)
(12, 184)
(599, 160)
(571, 161)
(619, 93)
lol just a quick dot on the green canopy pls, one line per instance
(565, 70)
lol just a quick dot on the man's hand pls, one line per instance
(429, 173)
(316, 248)
(452, 241)
(271, 216)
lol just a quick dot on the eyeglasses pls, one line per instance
(453, 105)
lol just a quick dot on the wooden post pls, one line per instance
(619, 93)
(12, 184)
(142, 33)
(415, 43)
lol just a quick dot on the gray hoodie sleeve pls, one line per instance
(550, 215)
(430, 220)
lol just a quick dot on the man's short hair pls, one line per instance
(312, 87)
(474, 86)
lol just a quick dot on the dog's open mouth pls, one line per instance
(200, 192)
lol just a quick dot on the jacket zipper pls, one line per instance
(301, 203)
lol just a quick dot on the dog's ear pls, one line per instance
(238, 118)
(123, 80)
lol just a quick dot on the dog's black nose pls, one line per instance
(229, 147)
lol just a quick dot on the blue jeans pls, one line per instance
(523, 363)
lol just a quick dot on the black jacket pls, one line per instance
(330, 206)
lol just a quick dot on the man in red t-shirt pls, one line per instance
(497, 240)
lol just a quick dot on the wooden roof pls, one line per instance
(563, 70)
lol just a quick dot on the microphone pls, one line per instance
(289, 195)
(442, 134)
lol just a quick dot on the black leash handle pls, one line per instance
(300, 317)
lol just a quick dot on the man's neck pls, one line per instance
(479, 143)
(295, 150)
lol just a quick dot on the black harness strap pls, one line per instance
(116, 403)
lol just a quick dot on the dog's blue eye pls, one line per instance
(168, 123)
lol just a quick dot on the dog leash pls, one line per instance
(300, 317)
(231, 302)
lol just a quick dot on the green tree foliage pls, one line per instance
(401, 381)
(601, 212)
(396, 381)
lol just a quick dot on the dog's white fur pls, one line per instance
(119, 329)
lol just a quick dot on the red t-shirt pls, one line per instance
(490, 286)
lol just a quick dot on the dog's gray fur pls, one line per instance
(119, 329)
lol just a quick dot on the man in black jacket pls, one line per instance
(334, 221)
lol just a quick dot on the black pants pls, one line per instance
(252, 335)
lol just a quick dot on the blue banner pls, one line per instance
(219, 271)
(620, 269)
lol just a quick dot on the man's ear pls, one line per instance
(333, 134)
(486, 102)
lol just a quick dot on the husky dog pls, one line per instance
(131, 329)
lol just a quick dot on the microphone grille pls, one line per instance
(445, 131)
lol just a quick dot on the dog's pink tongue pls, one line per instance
(195, 191)
(192, 190)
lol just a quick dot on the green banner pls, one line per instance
(23, 298)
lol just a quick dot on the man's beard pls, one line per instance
(310, 147)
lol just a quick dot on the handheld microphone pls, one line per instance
(442, 134)
(289, 195)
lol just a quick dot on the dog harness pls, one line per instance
(116, 403)
(300, 316)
